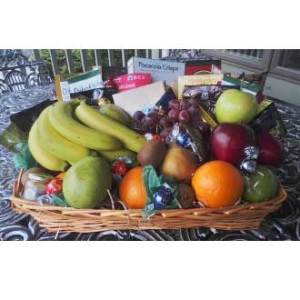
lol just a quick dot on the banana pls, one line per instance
(55, 143)
(92, 118)
(116, 113)
(115, 154)
(61, 118)
(43, 157)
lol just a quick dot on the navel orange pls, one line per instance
(132, 190)
(218, 184)
(60, 175)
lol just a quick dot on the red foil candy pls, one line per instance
(54, 186)
(156, 137)
(119, 168)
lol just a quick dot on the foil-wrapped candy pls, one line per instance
(251, 153)
(181, 138)
(163, 197)
(248, 166)
(45, 199)
(249, 163)
(147, 110)
(119, 168)
(127, 160)
(151, 136)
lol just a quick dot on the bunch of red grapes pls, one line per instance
(160, 121)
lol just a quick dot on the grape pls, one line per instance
(147, 123)
(138, 115)
(193, 111)
(164, 122)
(204, 128)
(196, 120)
(173, 114)
(184, 104)
(194, 103)
(165, 133)
(171, 121)
(152, 129)
(161, 112)
(184, 116)
(154, 115)
(182, 130)
(174, 104)
(137, 124)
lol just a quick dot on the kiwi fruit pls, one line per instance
(152, 153)
(186, 195)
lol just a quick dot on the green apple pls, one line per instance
(234, 106)
(261, 185)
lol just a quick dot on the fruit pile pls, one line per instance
(179, 156)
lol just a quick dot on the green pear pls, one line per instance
(85, 184)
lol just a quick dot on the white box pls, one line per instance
(140, 98)
(160, 70)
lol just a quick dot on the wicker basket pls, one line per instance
(55, 218)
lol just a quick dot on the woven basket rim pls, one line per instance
(70, 217)
(281, 194)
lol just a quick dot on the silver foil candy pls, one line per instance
(248, 166)
(251, 153)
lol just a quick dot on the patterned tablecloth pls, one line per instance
(282, 225)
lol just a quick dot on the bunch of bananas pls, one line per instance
(66, 132)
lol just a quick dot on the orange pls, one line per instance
(132, 190)
(218, 184)
(60, 175)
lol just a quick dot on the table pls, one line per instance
(282, 225)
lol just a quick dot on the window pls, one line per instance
(290, 59)
(257, 60)
(285, 65)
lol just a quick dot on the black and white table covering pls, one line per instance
(282, 225)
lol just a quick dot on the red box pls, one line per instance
(195, 67)
(131, 81)
(198, 65)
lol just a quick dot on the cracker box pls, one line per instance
(160, 70)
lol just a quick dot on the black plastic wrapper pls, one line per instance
(165, 98)
(92, 96)
(269, 120)
(25, 118)
(14, 137)
(16, 133)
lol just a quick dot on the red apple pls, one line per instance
(270, 150)
(228, 142)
